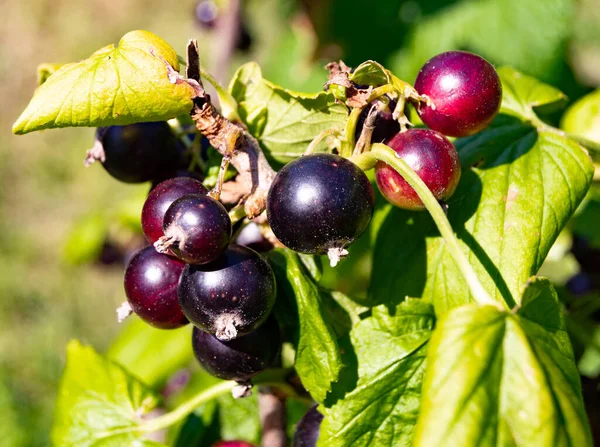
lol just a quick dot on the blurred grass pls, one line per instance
(44, 188)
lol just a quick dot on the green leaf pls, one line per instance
(115, 85)
(529, 35)
(583, 117)
(99, 402)
(153, 355)
(499, 378)
(301, 311)
(370, 73)
(382, 406)
(283, 121)
(521, 93)
(520, 185)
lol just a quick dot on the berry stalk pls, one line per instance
(381, 152)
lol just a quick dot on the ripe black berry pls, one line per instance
(197, 229)
(139, 152)
(151, 287)
(238, 359)
(466, 92)
(160, 199)
(320, 204)
(433, 158)
(385, 124)
(307, 429)
(232, 295)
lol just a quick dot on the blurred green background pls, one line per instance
(60, 280)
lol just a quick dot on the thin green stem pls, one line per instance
(315, 142)
(348, 144)
(228, 104)
(185, 409)
(381, 152)
(238, 212)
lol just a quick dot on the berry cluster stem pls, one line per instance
(381, 152)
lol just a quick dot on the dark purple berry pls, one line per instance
(238, 359)
(385, 124)
(432, 157)
(197, 229)
(307, 429)
(151, 287)
(320, 204)
(160, 199)
(466, 92)
(230, 296)
(138, 153)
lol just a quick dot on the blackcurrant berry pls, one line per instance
(160, 199)
(197, 229)
(238, 359)
(151, 287)
(432, 157)
(138, 153)
(307, 429)
(233, 294)
(320, 204)
(385, 124)
(465, 90)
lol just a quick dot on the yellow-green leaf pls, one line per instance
(114, 86)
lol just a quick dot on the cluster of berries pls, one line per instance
(317, 204)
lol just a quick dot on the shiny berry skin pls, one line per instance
(151, 282)
(230, 296)
(238, 359)
(199, 227)
(465, 90)
(319, 202)
(160, 199)
(431, 156)
(307, 429)
(385, 124)
(140, 152)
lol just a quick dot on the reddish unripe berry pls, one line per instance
(151, 282)
(431, 156)
(160, 199)
(466, 92)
